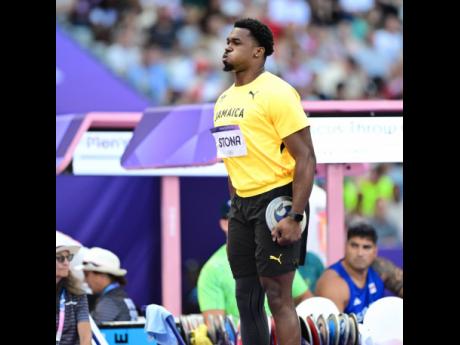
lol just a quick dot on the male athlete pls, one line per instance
(352, 283)
(262, 134)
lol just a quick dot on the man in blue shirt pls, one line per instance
(351, 283)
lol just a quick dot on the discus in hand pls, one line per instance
(278, 209)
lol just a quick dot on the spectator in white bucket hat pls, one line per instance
(106, 278)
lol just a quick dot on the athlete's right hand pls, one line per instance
(286, 232)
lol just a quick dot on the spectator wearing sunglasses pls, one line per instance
(72, 315)
(76, 261)
(106, 279)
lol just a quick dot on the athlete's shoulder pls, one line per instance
(274, 83)
(276, 89)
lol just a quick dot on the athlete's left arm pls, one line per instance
(300, 147)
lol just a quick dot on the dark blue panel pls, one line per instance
(121, 214)
(201, 199)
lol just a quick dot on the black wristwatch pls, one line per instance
(298, 217)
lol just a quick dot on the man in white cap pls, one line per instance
(105, 277)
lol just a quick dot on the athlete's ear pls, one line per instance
(260, 51)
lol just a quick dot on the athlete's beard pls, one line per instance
(228, 67)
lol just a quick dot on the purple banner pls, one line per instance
(393, 254)
(84, 84)
(66, 128)
(396, 256)
(172, 137)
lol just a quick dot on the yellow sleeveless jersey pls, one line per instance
(256, 117)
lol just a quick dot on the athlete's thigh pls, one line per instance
(273, 259)
(240, 243)
(279, 286)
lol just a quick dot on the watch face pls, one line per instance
(278, 209)
(296, 216)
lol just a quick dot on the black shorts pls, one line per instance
(250, 248)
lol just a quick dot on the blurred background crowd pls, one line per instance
(170, 50)
(377, 196)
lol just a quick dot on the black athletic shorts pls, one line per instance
(250, 248)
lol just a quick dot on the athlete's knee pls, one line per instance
(249, 295)
(278, 296)
(248, 289)
(275, 298)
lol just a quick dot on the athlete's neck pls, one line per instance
(247, 76)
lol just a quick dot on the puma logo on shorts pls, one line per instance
(276, 258)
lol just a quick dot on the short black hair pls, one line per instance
(261, 32)
(362, 229)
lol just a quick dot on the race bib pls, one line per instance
(229, 141)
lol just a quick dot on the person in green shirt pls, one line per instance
(216, 286)
(377, 186)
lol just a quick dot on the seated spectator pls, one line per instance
(106, 279)
(391, 275)
(351, 283)
(72, 315)
(216, 286)
(76, 261)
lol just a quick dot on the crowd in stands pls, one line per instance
(377, 197)
(170, 50)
